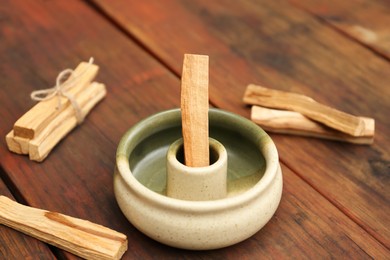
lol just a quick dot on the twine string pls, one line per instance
(64, 82)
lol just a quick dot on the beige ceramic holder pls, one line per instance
(197, 183)
(203, 209)
(198, 225)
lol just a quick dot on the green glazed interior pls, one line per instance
(241, 138)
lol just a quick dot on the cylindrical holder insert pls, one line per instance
(197, 183)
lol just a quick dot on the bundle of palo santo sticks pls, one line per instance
(63, 108)
(290, 113)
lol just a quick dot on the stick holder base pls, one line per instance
(254, 183)
(197, 183)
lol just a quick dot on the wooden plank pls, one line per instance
(195, 110)
(15, 245)
(274, 44)
(366, 21)
(76, 179)
(314, 218)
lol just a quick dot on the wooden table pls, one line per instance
(336, 195)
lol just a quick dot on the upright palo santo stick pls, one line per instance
(194, 109)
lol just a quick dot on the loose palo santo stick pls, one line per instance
(194, 109)
(346, 123)
(36, 119)
(290, 122)
(80, 237)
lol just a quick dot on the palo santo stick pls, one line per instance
(17, 144)
(194, 109)
(346, 123)
(80, 237)
(59, 127)
(290, 122)
(36, 119)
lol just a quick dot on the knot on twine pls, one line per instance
(65, 81)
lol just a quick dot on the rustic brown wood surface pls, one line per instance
(366, 21)
(335, 202)
(276, 45)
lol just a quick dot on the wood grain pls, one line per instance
(81, 237)
(290, 122)
(35, 120)
(17, 144)
(76, 179)
(346, 123)
(59, 127)
(277, 45)
(365, 21)
(15, 245)
(54, 131)
(195, 110)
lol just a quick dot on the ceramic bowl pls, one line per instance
(254, 183)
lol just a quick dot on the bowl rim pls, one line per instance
(172, 116)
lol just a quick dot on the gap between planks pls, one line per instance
(336, 205)
(137, 41)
